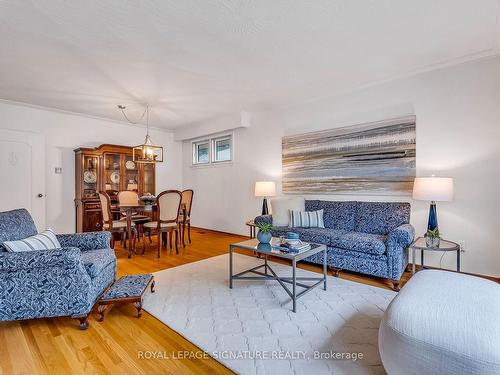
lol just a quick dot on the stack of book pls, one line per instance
(294, 246)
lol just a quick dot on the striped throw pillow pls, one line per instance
(306, 219)
(42, 241)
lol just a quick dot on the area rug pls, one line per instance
(251, 328)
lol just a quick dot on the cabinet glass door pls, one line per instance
(112, 175)
(149, 178)
(90, 176)
(131, 174)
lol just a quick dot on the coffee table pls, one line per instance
(266, 250)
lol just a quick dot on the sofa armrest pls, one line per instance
(401, 236)
(27, 260)
(86, 241)
(263, 219)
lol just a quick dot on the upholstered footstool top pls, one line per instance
(442, 323)
(127, 289)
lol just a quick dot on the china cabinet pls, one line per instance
(109, 168)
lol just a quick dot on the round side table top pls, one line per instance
(444, 245)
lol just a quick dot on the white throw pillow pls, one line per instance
(281, 206)
(42, 241)
(306, 219)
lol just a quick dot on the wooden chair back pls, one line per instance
(128, 197)
(169, 206)
(187, 200)
(105, 200)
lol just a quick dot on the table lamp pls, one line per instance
(265, 189)
(433, 189)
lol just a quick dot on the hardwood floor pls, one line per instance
(114, 346)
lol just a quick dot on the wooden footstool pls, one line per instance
(127, 289)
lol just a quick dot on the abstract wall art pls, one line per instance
(372, 158)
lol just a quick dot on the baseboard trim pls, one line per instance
(220, 232)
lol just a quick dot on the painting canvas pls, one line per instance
(372, 158)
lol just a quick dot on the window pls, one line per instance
(213, 150)
(222, 149)
(201, 152)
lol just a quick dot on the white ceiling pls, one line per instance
(198, 59)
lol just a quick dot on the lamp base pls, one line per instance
(265, 211)
(433, 220)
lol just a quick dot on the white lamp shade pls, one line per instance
(438, 189)
(265, 189)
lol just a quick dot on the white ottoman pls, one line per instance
(442, 323)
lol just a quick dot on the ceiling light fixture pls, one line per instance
(146, 152)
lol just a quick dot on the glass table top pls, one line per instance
(264, 248)
(444, 245)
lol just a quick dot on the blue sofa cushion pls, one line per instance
(381, 217)
(16, 225)
(336, 215)
(361, 242)
(95, 261)
(323, 236)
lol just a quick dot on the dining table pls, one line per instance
(131, 209)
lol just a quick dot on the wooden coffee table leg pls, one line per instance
(138, 306)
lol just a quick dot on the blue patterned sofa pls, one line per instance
(366, 237)
(50, 283)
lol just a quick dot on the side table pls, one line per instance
(252, 226)
(444, 245)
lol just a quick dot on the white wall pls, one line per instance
(458, 135)
(63, 133)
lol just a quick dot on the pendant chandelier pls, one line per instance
(146, 152)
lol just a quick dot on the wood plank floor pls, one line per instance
(114, 346)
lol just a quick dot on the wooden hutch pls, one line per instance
(106, 168)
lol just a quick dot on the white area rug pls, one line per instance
(251, 328)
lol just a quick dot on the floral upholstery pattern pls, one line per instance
(86, 241)
(49, 283)
(402, 236)
(362, 242)
(336, 215)
(319, 235)
(128, 286)
(16, 225)
(95, 261)
(381, 217)
(264, 219)
(366, 237)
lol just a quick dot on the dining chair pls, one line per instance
(127, 197)
(185, 215)
(168, 208)
(110, 225)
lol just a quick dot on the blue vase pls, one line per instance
(433, 220)
(264, 237)
(264, 247)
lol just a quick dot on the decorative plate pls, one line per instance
(115, 177)
(130, 164)
(90, 177)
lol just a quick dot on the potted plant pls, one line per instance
(432, 238)
(264, 235)
(148, 200)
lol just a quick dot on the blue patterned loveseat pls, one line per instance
(366, 237)
(50, 283)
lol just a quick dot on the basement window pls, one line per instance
(201, 152)
(213, 150)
